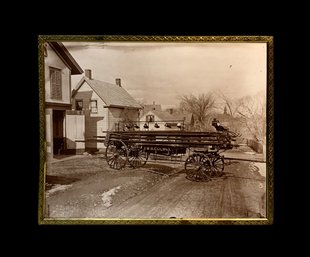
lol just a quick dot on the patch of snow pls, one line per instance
(261, 168)
(107, 196)
(249, 152)
(57, 188)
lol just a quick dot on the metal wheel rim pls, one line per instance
(116, 154)
(197, 167)
(217, 165)
(137, 157)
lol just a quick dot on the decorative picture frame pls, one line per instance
(56, 136)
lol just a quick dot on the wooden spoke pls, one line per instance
(217, 165)
(137, 157)
(116, 154)
(197, 167)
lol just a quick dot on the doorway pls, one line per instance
(58, 132)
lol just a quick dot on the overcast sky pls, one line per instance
(161, 72)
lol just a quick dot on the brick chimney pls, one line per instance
(118, 82)
(88, 73)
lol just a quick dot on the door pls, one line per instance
(58, 132)
(75, 132)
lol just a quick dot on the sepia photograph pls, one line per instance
(156, 130)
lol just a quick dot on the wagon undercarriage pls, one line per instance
(201, 148)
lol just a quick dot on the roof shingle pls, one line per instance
(166, 116)
(111, 94)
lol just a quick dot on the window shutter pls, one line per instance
(56, 88)
(58, 85)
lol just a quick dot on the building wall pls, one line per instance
(75, 132)
(151, 124)
(157, 120)
(95, 123)
(121, 115)
(49, 131)
(53, 60)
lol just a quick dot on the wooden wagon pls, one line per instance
(135, 147)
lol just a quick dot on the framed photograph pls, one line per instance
(156, 130)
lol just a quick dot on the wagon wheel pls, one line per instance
(137, 157)
(198, 167)
(217, 165)
(116, 154)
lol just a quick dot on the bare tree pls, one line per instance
(231, 104)
(140, 101)
(252, 110)
(200, 106)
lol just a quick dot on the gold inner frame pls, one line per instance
(42, 39)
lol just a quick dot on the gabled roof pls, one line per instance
(64, 54)
(151, 107)
(83, 95)
(187, 117)
(112, 94)
(164, 116)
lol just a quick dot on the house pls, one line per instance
(151, 107)
(156, 119)
(59, 65)
(106, 106)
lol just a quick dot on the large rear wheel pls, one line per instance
(116, 154)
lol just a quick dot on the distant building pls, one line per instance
(106, 106)
(59, 65)
(156, 119)
(151, 107)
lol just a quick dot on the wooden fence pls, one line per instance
(256, 146)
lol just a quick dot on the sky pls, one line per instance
(161, 72)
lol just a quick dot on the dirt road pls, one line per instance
(87, 188)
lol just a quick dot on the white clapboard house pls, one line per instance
(105, 105)
(59, 66)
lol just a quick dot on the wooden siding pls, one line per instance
(117, 115)
(75, 131)
(95, 123)
(103, 120)
(157, 120)
(52, 60)
(49, 130)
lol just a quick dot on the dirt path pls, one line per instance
(96, 191)
(231, 196)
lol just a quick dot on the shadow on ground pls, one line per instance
(59, 180)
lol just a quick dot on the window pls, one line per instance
(93, 106)
(150, 118)
(55, 79)
(78, 105)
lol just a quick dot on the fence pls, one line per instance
(256, 146)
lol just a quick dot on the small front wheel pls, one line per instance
(217, 165)
(198, 167)
(137, 157)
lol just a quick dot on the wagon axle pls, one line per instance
(134, 148)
